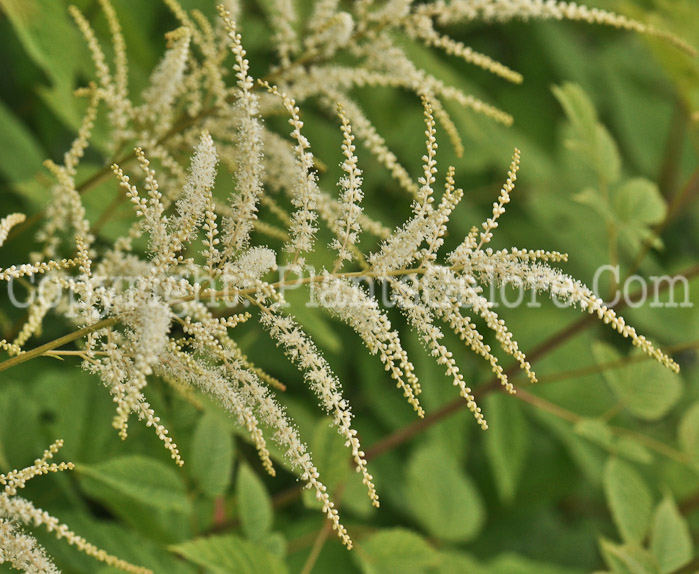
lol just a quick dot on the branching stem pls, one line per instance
(69, 338)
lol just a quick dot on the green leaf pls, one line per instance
(254, 504)
(587, 456)
(634, 450)
(78, 411)
(590, 138)
(637, 205)
(41, 27)
(457, 563)
(148, 481)
(648, 389)
(396, 551)
(629, 499)
(579, 109)
(442, 497)
(506, 442)
(593, 199)
(596, 431)
(689, 432)
(628, 559)
(607, 155)
(599, 433)
(116, 539)
(639, 202)
(670, 539)
(211, 459)
(227, 554)
(516, 564)
(20, 435)
(274, 543)
(21, 155)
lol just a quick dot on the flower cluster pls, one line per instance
(169, 325)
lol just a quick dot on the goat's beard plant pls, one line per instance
(177, 316)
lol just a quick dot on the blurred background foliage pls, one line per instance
(594, 469)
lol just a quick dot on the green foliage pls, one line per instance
(441, 497)
(507, 444)
(594, 469)
(41, 27)
(396, 551)
(254, 505)
(148, 482)
(647, 392)
(589, 138)
(211, 461)
(225, 554)
(628, 558)
(24, 156)
(629, 498)
(671, 541)
(689, 433)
